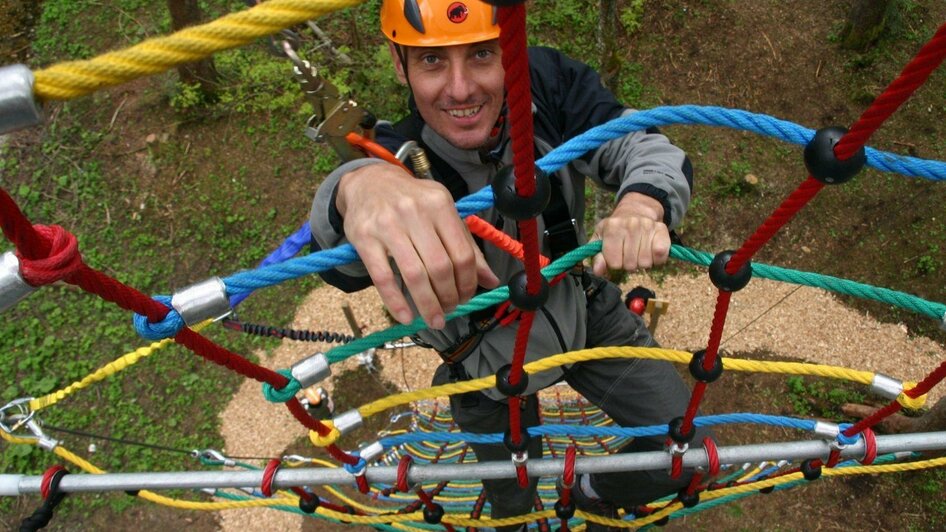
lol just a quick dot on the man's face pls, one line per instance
(458, 89)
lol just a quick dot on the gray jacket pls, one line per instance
(643, 161)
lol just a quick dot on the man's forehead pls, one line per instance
(492, 43)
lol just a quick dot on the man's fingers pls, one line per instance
(414, 275)
(484, 274)
(375, 259)
(661, 245)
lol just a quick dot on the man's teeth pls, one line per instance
(464, 112)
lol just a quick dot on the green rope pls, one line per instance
(481, 301)
(909, 302)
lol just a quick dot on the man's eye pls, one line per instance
(483, 54)
(429, 59)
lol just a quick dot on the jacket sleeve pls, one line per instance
(572, 99)
(326, 222)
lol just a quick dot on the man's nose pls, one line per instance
(460, 85)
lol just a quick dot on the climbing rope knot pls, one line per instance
(62, 261)
(166, 328)
(358, 468)
(329, 439)
(285, 393)
(906, 401)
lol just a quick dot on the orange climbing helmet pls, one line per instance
(438, 22)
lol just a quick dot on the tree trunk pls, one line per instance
(609, 70)
(864, 24)
(202, 73)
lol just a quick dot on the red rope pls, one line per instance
(61, 260)
(568, 475)
(18, 229)
(712, 350)
(676, 465)
(522, 475)
(911, 78)
(48, 478)
(870, 451)
(782, 215)
(269, 473)
(712, 455)
(403, 466)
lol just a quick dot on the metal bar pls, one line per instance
(286, 478)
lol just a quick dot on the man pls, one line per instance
(448, 54)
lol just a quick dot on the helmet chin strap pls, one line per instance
(402, 57)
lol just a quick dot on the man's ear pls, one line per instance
(398, 66)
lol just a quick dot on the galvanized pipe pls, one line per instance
(286, 478)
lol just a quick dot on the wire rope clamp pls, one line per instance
(826, 430)
(18, 107)
(347, 422)
(885, 386)
(12, 286)
(311, 370)
(519, 458)
(202, 301)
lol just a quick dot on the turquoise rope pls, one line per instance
(910, 302)
(481, 301)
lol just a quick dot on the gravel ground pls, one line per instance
(809, 325)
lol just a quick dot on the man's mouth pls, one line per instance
(463, 113)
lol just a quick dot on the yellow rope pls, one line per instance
(913, 403)
(72, 79)
(735, 364)
(106, 371)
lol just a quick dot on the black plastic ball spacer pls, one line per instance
(433, 514)
(824, 165)
(766, 491)
(523, 440)
(511, 204)
(564, 511)
(309, 506)
(662, 521)
(810, 471)
(132, 493)
(505, 387)
(722, 279)
(688, 500)
(675, 430)
(700, 374)
(520, 296)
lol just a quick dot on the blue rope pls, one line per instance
(587, 431)
(288, 249)
(248, 281)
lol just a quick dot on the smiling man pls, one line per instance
(423, 261)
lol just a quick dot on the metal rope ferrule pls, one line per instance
(12, 286)
(347, 421)
(18, 106)
(202, 301)
(886, 387)
(311, 370)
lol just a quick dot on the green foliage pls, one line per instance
(632, 16)
(569, 26)
(810, 397)
(732, 182)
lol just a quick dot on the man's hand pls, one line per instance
(388, 213)
(633, 237)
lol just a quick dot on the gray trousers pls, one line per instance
(633, 392)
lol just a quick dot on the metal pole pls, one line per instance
(286, 478)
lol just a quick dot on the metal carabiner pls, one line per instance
(22, 417)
